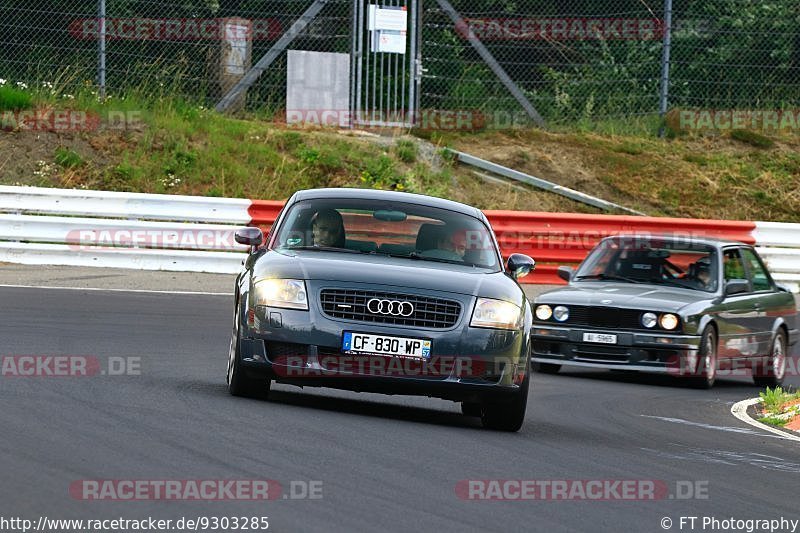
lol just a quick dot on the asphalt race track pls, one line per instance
(385, 463)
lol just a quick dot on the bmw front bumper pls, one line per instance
(649, 352)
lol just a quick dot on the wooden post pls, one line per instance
(236, 52)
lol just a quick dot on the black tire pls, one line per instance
(471, 409)
(705, 373)
(507, 415)
(239, 383)
(546, 368)
(770, 372)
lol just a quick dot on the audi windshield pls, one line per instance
(406, 230)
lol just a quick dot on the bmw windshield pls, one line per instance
(394, 229)
(671, 262)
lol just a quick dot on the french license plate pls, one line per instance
(603, 338)
(365, 343)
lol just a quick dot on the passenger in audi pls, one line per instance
(327, 227)
(454, 241)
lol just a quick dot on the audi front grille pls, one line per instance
(390, 308)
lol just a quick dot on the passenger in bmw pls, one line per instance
(327, 227)
(700, 273)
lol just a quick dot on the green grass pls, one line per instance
(179, 147)
(12, 99)
(406, 151)
(67, 158)
(774, 399)
(772, 402)
(773, 421)
(752, 138)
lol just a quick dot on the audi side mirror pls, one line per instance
(249, 236)
(520, 265)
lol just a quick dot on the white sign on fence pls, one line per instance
(388, 27)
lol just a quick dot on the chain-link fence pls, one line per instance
(565, 62)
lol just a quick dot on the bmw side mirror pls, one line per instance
(249, 236)
(783, 288)
(736, 286)
(520, 265)
(565, 273)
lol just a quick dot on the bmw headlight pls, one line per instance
(286, 293)
(669, 321)
(544, 312)
(496, 314)
(649, 320)
(561, 313)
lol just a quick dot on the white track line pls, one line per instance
(739, 410)
(144, 291)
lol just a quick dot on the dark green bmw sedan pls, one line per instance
(385, 292)
(686, 306)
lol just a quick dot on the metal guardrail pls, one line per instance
(121, 230)
(539, 183)
(195, 234)
(135, 206)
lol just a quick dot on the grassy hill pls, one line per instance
(175, 147)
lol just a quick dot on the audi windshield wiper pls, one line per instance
(325, 249)
(609, 277)
(417, 256)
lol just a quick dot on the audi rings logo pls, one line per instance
(389, 307)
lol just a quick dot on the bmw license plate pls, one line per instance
(602, 338)
(365, 343)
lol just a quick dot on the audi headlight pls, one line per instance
(649, 320)
(669, 321)
(495, 314)
(286, 293)
(544, 312)
(561, 313)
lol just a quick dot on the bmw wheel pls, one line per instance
(705, 373)
(770, 372)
